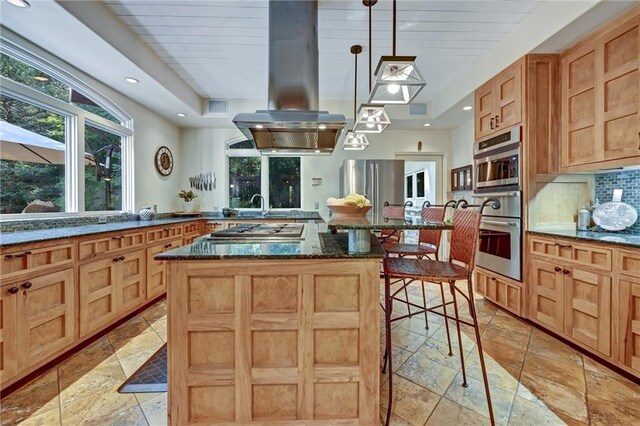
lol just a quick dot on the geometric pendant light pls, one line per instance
(371, 118)
(355, 141)
(397, 78)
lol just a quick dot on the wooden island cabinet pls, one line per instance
(273, 337)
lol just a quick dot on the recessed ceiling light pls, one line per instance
(182, 114)
(273, 150)
(427, 124)
(467, 108)
(19, 3)
(259, 126)
(322, 126)
(317, 151)
(41, 78)
(131, 80)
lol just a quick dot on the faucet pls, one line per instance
(264, 212)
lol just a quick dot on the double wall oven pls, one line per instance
(497, 163)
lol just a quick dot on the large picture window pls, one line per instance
(276, 179)
(47, 119)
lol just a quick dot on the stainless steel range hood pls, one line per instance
(292, 125)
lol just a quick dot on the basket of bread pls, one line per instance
(352, 205)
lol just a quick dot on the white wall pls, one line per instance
(203, 150)
(462, 138)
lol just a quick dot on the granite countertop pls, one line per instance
(316, 244)
(21, 237)
(372, 221)
(614, 238)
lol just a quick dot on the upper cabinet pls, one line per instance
(498, 102)
(601, 98)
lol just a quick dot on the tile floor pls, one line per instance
(534, 378)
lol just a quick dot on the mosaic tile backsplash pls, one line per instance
(628, 181)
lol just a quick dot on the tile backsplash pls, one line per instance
(628, 181)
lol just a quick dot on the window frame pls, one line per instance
(75, 120)
(264, 175)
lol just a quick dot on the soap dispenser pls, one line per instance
(584, 219)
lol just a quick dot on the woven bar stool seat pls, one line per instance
(405, 249)
(424, 269)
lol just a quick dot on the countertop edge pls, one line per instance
(594, 237)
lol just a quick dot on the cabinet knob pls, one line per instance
(116, 259)
(121, 258)
(27, 285)
(491, 123)
(557, 269)
(566, 271)
(493, 278)
(13, 290)
(638, 140)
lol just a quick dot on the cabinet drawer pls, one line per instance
(111, 243)
(628, 263)
(568, 251)
(29, 261)
(192, 227)
(162, 234)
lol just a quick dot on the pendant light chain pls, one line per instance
(394, 27)
(355, 89)
(370, 53)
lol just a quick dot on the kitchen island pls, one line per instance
(274, 332)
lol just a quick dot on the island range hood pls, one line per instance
(292, 125)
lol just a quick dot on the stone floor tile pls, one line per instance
(561, 399)
(499, 376)
(49, 418)
(474, 398)
(38, 397)
(148, 340)
(618, 392)
(127, 331)
(427, 373)
(132, 362)
(596, 367)
(92, 384)
(569, 375)
(527, 413)
(606, 412)
(399, 355)
(411, 402)
(468, 337)
(438, 351)
(416, 324)
(155, 410)
(519, 339)
(549, 347)
(155, 311)
(448, 413)
(99, 353)
(406, 339)
(97, 409)
(131, 417)
(145, 396)
(509, 357)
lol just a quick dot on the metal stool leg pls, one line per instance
(406, 295)
(476, 327)
(455, 311)
(389, 353)
(446, 321)
(424, 302)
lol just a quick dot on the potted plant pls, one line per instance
(188, 205)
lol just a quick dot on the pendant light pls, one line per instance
(355, 141)
(371, 118)
(398, 79)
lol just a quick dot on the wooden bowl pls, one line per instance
(342, 210)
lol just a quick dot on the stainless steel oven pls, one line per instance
(500, 240)
(497, 162)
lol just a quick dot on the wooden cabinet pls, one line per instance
(601, 98)
(166, 233)
(109, 244)
(110, 287)
(546, 289)
(156, 269)
(592, 256)
(498, 102)
(8, 332)
(500, 290)
(24, 260)
(629, 322)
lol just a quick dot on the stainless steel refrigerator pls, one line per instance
(378, 180)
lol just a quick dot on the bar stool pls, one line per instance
(464, 240)
(393, 211)
(428, 245)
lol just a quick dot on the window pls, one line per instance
(277, 179)
(42, 112)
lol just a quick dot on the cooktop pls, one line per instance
(262, 230)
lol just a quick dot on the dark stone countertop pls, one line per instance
(379, 222)
(316, 244)
(613, 238)
(22, 237)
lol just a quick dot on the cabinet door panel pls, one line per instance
(8, 336)
(98, 294)
(156, 270)
(588, 309)
(629, 322)
(546, 286)
(509, 96)
(621, 114)
(485, 100)
(132, 275)
(46, 316)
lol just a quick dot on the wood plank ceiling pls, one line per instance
(220, 47)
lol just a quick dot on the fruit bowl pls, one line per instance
(342, 210)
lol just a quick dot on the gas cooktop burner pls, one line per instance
(260, 231)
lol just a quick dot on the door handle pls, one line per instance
(492, 118)
(497, 121)
(13, 290)
(557, 269)
(27, 285)
(496, 223)
(566, 271)
(563, 245)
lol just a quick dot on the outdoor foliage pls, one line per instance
(22, 182)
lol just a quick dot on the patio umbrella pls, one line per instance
(19, 144)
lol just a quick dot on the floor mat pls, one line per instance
(151, 376)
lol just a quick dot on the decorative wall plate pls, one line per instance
(164, 161)
(615, 216)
